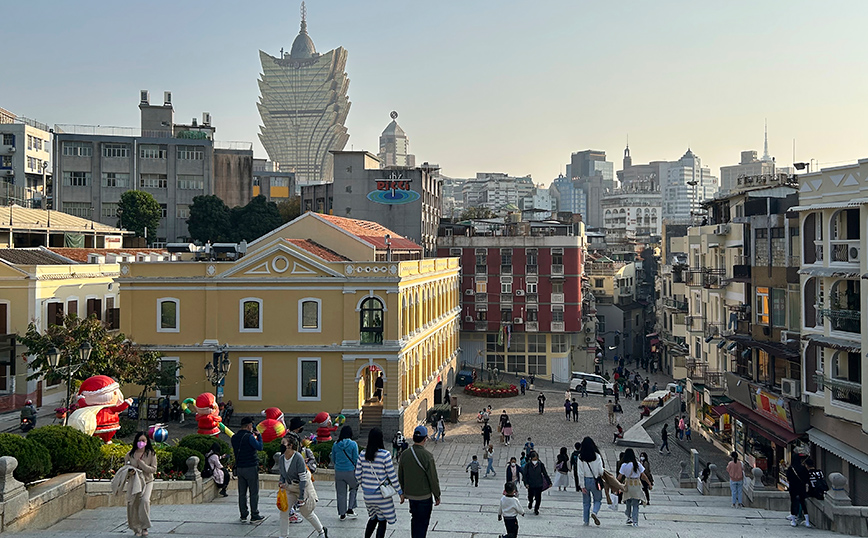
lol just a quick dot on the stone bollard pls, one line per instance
(837, 493)
(684, 478)
(712, 475)
(12, 493)
(757, 478)
(274, 468)
(694, 463)
(192, 469)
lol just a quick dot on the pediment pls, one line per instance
(280, 261)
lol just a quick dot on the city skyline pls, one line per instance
(472, 95)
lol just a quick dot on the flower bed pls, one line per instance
(484, 392)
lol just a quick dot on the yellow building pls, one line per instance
(309, 317)
(42, 286)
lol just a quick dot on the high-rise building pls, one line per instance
(590, 176)
(686, 184)
(304, 106)
(395, 146)
(750, 166)
(25, 160)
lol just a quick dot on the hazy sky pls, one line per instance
(503, 86)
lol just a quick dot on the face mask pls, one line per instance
(141, 444)
(642, 458)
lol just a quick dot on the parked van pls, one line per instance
(596, 383)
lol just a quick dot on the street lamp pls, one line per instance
(216, 370)
(84, 352)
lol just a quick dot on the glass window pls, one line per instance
(308, 378)
(536, 343)
(371, 321)
(779, 307)
(8, 139)
(109, 210)
(762, 306)
(191, 153)
(515, 363)
(77, 209)
(506, 316)
(536, 364)
(191, 182)
(168, 312)
(559, 343)
(251, 379)
(115, 150)
(164, 211)
(182, 211)
(309, 315)
(251, 315)
(76, 179)
(557, 313)
(77, 149)
(496, 361)
(531, 287)
(506, 287)
(168, 367)
(153, 181)
(115, 179)
(151, 151)
(557, 287)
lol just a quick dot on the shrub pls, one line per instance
(164, 460)
(111, 459)
(128, 427)
(202, 443)
(34, 461)
(71, 450)
(323, 452)
(180, 455)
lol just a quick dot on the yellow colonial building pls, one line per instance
(309, 316)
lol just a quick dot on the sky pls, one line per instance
(480, 86)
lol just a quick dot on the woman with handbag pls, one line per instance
(590, 472)
(345, 454)
(142, 457)
(562, 468)
(632, 473)
(295, 480)
(536, 480)
(375, 472)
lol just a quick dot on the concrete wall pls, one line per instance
(233, 176)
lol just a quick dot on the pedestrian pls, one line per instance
(798, 479)
(568, 395)
(486, 433)
(228, 411)
(568, 409)
(575, 407)
(584, 387)
(610, 411)
(441, 429)
(509, 510)
(143, 458)
(374, 468)
(536, 480)
(474, 375)
(817, 486)
(295, 479)
(473, 469)
(654, 388)
(681, 427)
(513, 472)
(646, 486)
(542, 402)
(215, 468)
(645, 388)
(590, 474)
(489, 455)
(606, 375)
(687, 432)
(246, 445)
(522, 460)
(528, 446)
(345, 454)
(574, 462)
(399, 444)
(735, 470)
(632, 473)
(664, 435)
(378, 387)
(618, 434)
(562, 470)
(523, 385)
(417, 474)
(532, 379)
(507, 432)
(501, 423)
(175, 414)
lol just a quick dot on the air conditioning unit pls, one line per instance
(10, 173)
(468, 319)
(853, 254)
(722, 229)
(12, 149)
(588, 329)
(790, 388)
(519, 293)
(517, 321)
(588, 339)
(468, 292)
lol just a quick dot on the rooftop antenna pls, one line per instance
(766, 142)
(303, 17)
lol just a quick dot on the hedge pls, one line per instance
(202, 443)
(128, 427)
(111, 459)
(439, 410)
(34, 461)
(71, 450)
(180, 455)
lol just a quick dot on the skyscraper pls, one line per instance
(304, 106)
(395, 146)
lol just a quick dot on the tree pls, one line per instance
(290, 208)
(477, 213)
(139, 211)
(209, 219)
(112, 355)
(255, 219)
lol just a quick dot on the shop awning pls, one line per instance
(763, 426)
(829, 272)
(776, 349)
(835, 343)
(720, 410)
(830, 205)
(840, 449)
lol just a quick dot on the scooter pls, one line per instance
(27, 424)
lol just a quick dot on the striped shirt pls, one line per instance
(371, 474)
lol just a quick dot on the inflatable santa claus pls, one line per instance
(273, 427)
(324, 428)
(100, 396)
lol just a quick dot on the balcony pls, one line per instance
(506, 269)
(531, 326)
(481, 326)
(557, 326)
(531, 269)
(505, 298)
(713, 330)
(557, 269)
(695, 277)
(846, 251)
(531, 298)
(695, 323)
(843, 390)
(558, 298)
(481, 297)
(481, 269)
(671, 302)
(843, 320)
(714, 278)
(741, 269)
(696, 370)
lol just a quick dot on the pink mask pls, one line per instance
(141, 444)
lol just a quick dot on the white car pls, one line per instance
(596, 383)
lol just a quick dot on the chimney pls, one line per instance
(145, 97)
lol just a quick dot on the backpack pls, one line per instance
(818, 486)
(208, 471)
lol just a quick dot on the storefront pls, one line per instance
(763, 442)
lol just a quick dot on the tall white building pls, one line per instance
(750, 166)
(497, 191)
(25, 160)
(686, 184)
(395, 146)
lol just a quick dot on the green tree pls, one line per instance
(290, 208)
(112, 355)
(209, 220)
(139, 211)
(477, 213)
(255, 219)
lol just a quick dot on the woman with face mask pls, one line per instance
(142, 457)
(295, 479)
(646, 486)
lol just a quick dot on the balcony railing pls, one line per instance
(695, 323)
(844, 251)
(557, 269)
(714, 379)
(714, 278)
(531, 326)
(481, 269)
(671, 302)
(506, 269)
(695, 277)
(531, 298)
(714, 329)
(696, 369)
(531, 269)
(843, 390)
(818, 252)
(505, 298)
(481, 326)
(557, 326)
(558, 298)
(481, 297)
(843, 320)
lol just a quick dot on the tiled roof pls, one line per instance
(318, 250)
(81, 254)
(371, 232)
(24, 218)
(31, 256)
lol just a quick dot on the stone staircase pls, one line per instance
(371, 417)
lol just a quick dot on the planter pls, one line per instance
(506, 392)
(60, 416)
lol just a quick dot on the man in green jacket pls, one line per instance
(417, 475)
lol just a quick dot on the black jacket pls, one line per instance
(246, 445)
(535, 476)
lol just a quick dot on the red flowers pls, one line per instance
(484, 392)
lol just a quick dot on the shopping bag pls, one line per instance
(282, 500)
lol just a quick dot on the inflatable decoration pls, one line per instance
(324, 428)
(207, 414)
(273, 427)
(340, 420)
(158, 433)
(99, 401)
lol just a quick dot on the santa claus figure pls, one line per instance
(104, 392)
(273, 427)
(207, 414)
(324, 428)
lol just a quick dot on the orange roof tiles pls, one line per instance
(318, 250)
(81, 254)
(371, 232)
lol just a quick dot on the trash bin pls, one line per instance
(456, 412)
(454, 401)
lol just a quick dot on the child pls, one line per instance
(509, 510)
(528, 446)
(523, 460)
(619, 433)
(687, 431)
(473, 467)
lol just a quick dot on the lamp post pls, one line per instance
(84, 352)
(216, 370)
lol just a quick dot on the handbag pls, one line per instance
(547, 482)
(598, 480)
(386, 489)
(282, 500)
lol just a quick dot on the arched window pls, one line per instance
(371, 321)
(250, 315)
(310, 315)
